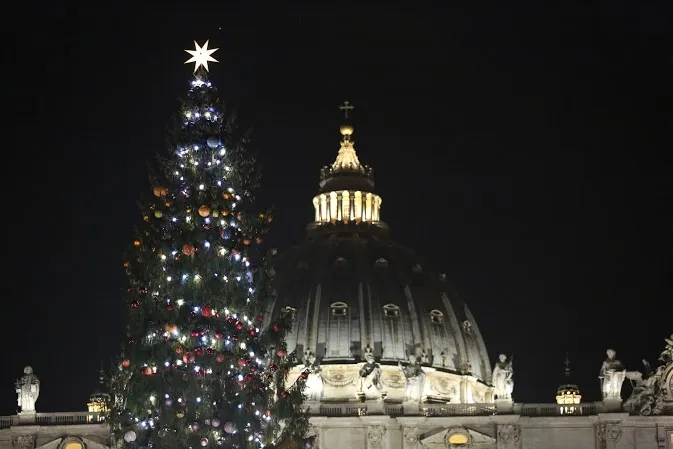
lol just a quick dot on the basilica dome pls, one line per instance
(355, 294)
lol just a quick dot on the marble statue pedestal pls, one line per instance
(411, 407)
(504, 406)
(27, 417)
(613, 405)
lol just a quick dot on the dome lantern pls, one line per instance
(346, 191)
(568, 395)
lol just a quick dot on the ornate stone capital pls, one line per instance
(509, 433)
(375, 436)
(23, 442)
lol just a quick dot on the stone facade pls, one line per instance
(601, 431)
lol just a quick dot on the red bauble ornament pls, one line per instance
(219, 335)
(249, 378)
(135, 304)
(188, 249)
(198, 352)
(210, 351)
(219, 358)
(276, 328)
(260, 317)
(241, 363)
(281, 353)
(239, 325)
(252, 332)
(188, 357)
(126, 363)
(284, 395)
(304, 375)
(207, 311)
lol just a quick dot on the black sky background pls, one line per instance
(524, 149)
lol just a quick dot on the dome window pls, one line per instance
(289, 310)
(339, 309)
(436, 316)
(381, 263)
(391, 311)
(417, 268)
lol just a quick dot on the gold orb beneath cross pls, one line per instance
(346, 130)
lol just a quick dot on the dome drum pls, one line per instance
(354, 297)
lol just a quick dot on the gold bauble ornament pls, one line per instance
(204, 211)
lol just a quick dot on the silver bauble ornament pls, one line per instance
(213, 142)
(230, 427)
(130, 436)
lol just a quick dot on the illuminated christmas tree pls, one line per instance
(202, 366)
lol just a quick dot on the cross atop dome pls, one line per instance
(347, 159)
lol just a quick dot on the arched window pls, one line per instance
(436, 316)
(381, 263)
(339, 309)
(391, 311)
(289, 310)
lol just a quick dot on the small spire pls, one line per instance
(347, 106)
(567, 364)
(101, 375)
(347, 159)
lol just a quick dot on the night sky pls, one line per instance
(524, 151)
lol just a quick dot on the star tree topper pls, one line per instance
(201, 56)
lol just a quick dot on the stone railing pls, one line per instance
(343, 409)
(51, 419)
(430, 410)
(584, 409)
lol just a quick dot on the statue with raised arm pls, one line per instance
(503, 378)
(612, 376)
(415, 379)
(28, 390)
